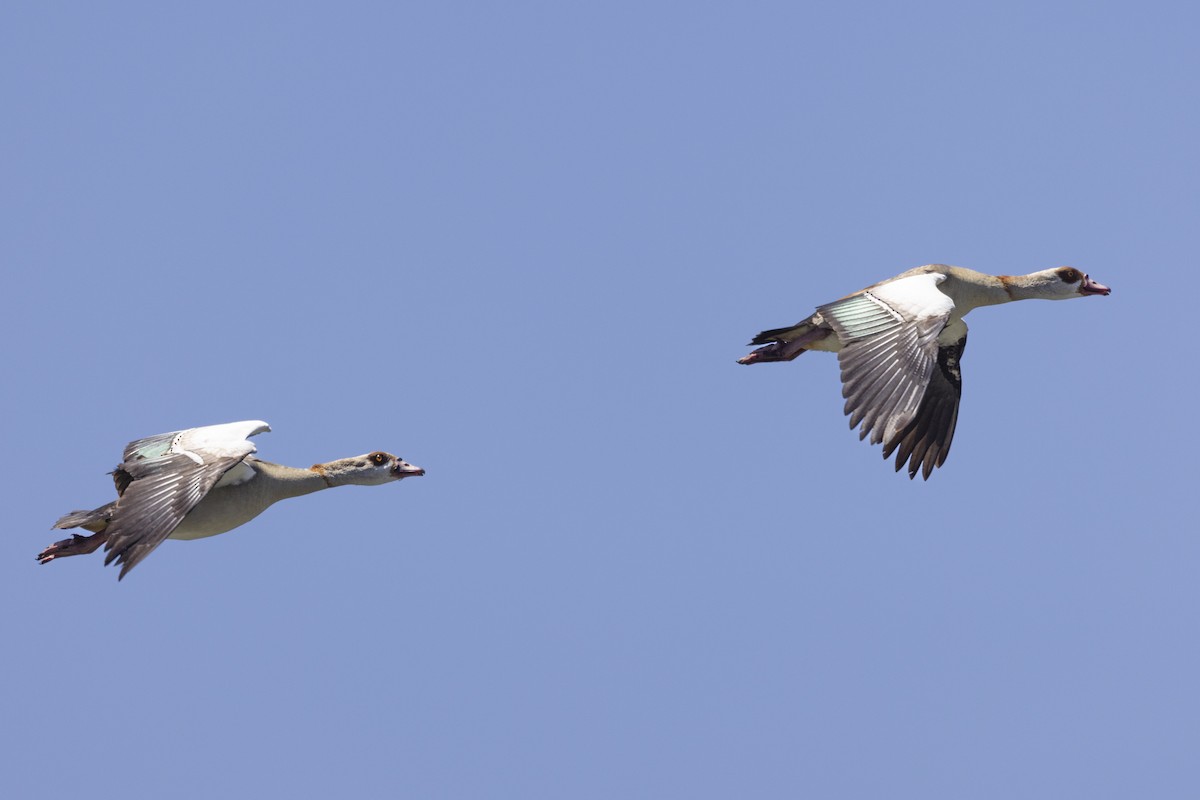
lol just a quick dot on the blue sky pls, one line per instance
(522, 245)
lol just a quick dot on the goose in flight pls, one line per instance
(899, 343)
(201, 482)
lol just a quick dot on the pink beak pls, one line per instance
(1089, 286)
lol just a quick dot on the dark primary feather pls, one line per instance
(121, 479)
(925, 441)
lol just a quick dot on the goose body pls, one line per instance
(201, 482)
(899, 343)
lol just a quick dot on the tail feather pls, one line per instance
(94, 521)
(782, 334)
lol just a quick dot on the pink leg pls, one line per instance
(75, 546)
(780, 350)
(775, 351)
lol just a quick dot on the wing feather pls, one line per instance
(884, 378)
(150, 447)
(159, 497)
(925, 441)
(163, 478)
(901, 387)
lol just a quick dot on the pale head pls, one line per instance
(1060, 283)
(371, 469)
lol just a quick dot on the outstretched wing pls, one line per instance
(167, 476)
(889, 358)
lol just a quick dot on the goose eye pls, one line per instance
(1069, 275)
(378, 458)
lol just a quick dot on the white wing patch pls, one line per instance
(241, 473)
(916, 297)
(218, 440)
(188, 453)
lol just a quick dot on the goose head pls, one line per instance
(1061, 283)
(371, 469)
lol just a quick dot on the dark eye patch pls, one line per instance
(1070, 275)
(378, 458)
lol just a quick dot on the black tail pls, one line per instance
(774, 335)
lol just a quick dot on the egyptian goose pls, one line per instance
(899, 343)
(201, 482)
